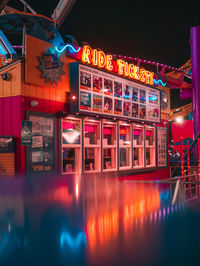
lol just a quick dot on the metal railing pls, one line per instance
(189, 183)
(192, 170)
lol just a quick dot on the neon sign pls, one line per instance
(99, 59)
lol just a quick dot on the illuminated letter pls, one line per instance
(151, 78)
(101, 59)
(109, 65)
(126, 72)
(120, 64)
(142, 75)
(131, 68)
(136, 73)
(86, 54)
(94, 57)
(147, 76)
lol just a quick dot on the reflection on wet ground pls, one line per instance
(96, 221)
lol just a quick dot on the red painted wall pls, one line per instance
(13, 110)
(10, 124)
(184, 130)
(156, 175)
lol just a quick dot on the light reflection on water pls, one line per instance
(94, 221)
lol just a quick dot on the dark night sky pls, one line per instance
(157, 31)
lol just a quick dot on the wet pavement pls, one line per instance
(96, 221)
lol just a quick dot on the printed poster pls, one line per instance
(97, 84)
(142, 96)
(42, 149)
(37, 156)
(127, 109)
(135, 94)
(135, 110)
(142, 111)
(26, 133)
(153, 113)
(108, 87)
(126, 92)
(153, 98)
(162, 146)
(108, 105)
(37, 142)
(117, 89)
(85, 100)
(117, 107)
(85, 81)
(97, 103)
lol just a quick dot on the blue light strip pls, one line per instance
(159, 81)
(153, 98)
(7, 46)
(73, 242)
(60, 4)
(65, 47)
(2, 50)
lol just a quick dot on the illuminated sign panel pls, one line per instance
(100, 59)
(101, 93)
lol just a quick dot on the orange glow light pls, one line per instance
(99, 59)
(94, 57)
(87, 54)
(109, 65)
(120, 64)
(142, 75)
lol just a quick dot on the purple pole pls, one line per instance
(195, 56)
(185, 94)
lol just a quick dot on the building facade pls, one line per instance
(90, 113)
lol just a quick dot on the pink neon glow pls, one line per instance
(107, 131)
(89, 129)
(148, 132)
(68, 125)
(137, 132)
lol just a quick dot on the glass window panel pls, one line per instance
(71, 145)
(138, 146)
(150, 157)
(71, 132)
(71, 160)
(124, 135)
(109, 158)
(150, 146)
(125, 157)
(109, 153)
(150, 136)
(92, 146)
(138, 136)
(92, 159)
(109, 134)
(92, 133)
(138, 159)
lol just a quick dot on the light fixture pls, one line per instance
(179, 119)
(6, 76)
(34, 103)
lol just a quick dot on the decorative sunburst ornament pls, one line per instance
(51, 68)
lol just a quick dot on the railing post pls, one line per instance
(188, 166)
(188, 157)
(198, 142)
(182, 163)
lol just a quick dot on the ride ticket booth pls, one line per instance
(91, 113)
